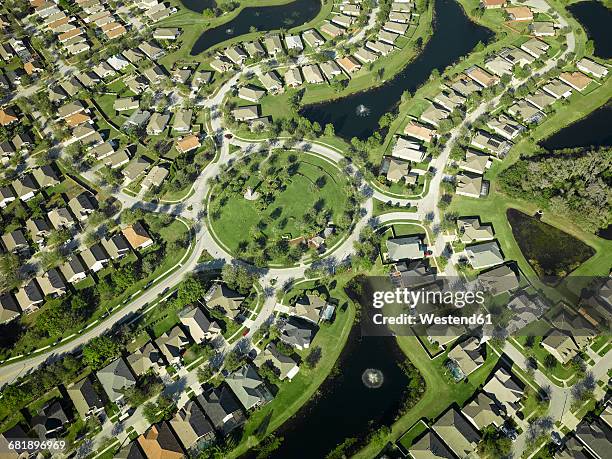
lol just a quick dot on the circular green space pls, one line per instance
(294, 196)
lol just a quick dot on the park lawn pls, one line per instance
(239, 215)
(407, 229)
(440, 392)
(294, 394)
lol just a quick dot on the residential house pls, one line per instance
(199, 326)
(154, 74)
(310, 307)
(39, 230)
(221, 297)
(29, 297)
(82, 206)
(15, 242)
(251, 93)
(222, 408)
(365, 56)
(287, 367)
(505, 127)
(6, 196)
(349, 64)
(293, 77)
(137, 236)
(9, 309)
(236, 54)
(535, 47)
(467, 356)
(449, 99)
(85, 398)
(485, 141)
(271, 81)
(380, 47)
(182, 121)
(312, 74)
(155, 178)
(492, 4)
(130, 451)
(482, 77)
(405, 248)
(395, 170)
(150, 50)
(188, 143)
(246, 113)
(61, 218)
(395, 27)
(408, 150)
(523, 110)
(469, 185)
(95, 258)
(540, 99)
(248, 387)
(596, 436)
(471, 230)
(297, 333)
(135, 168)
(191, 426)
(542, 29)
(116, 246)
(50, 421)
(171, 344)
(592, 68)
(25, 187)
(330, 69)
(342, 20)
(157, 123)
(412, 274)
(525, 310)
(520, 13)
(482, 411)
(434, 114)
(159, 442)
(502, 388)
(254, 49)
(313, 38)
(73, 270)
(294, 42)
(124, 104)
(273, 45)
(499, 66)
(499, 280)
(418, 131)
(145, 359)
(430, 446)
(465, 86)
(456, 431)
(166, 33)
(51, 284)
(516, 56)
(221, 64)
(577, 80)
(387, 37)
(558, 89)
(115, 378)
(476, 162)
(484, 255)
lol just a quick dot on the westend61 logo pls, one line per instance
(424, 307)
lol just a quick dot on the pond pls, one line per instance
(592, 130)
(552, 253)
(262, 18)
(199, 5)
(357, 115)
(346, 407)
(596, 19)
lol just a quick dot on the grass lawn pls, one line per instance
(239, 217)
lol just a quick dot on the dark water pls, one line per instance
(597, 20)
(606, 233)
(454, 36)
(199, 5)
(346, 407)
(592, 130)
(262, 18)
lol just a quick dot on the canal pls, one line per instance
(454, 35)
(346, 407)
(199, 5)
(596, 18)
(262, 18)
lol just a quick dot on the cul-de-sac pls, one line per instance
(306, 229)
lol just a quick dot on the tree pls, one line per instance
(493, 444)
(99, 351)
(270, 444)
(314, 357)
(329, 130)
(9, 271)
(550, 361)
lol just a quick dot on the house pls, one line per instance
(399, 16)
(9, 309)
(558, 89)
(331, 29)
(15, 242)
(191, 426)
(540, 99)
(565, 344)
(502, 388)
(102, 70)
(181, 76)
(380, 47)
(115, 378)
(116, 246)
(312, 74)
(6, 196)
(271, 81)
(82, 206)
(592, 68)
(430, 446)
(273, 45)
(542, 29)
(476, 162)
(525, 111)
(135, 168)
(350, 9)
(124, 104)
(330, 69)
(155, 178)
(408, 150)
(248, 387)
(251, 93)
(293, 77)
(182, 121)
(188, 143)
(25, 187)
(297, 332)
(154, 74)
(485, 141)
(596, 436)
(236, 54)
(505, 127)
(145, 359)
(137, 236)
(11, 440)
(166, 33)
(246, 113)
(221, 297)
(159, 442)
(171, 344)
(287, 367)
(482, 77)
(491, 4)
(6, 151)
(50, 421)
(457, 432)
(221, 64)
(411, 274)
(69, 109)
(157, 123)
(484, 255)
(342, 20)
(467, 356)
(499, 280)
(395, 27)
(449, 99)
(434, 114)
(294, 42)
(309, 307)
(201, 77)
(118, 62)
(499, 66)
(405, 248)
(349, 64)
(394, 170)
(313, 38)
(471, 230)
(577, 80)
(200, 328)
(45, 176)
(222, 408)
(535, 47)
(130, 451)
(364, 56)
(150, 50)
(52, 284)
(465, 86)
(516, 56)
(254, 49)
(482, 411)
(525, 310)
(61, 218)
(520, 13)
(23, 141)
(136, 83)
(73, 271)
(469, 185)
(29, 297)
(95, 258)
(85, 398)
(387, 37)
(7, 116)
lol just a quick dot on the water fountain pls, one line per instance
(362, 110)
(372, 378)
